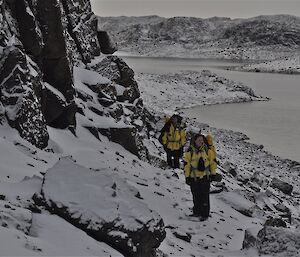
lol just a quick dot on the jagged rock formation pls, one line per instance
(114, 214)
(20, 94)
(118, 102)
(53, 35)
(119, 72)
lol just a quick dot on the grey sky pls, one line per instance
(195, 8)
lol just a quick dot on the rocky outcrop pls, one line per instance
(123, 136)
(54, 35)
(282, 186)
(82, 27)
(104, 206)
(119, 72)
(20, 95)
(122, 122)
(276, 240)
(29, 29)
(106, 44)
(249, 238)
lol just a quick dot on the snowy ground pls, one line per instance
(167, 93)
(288, 65)
(25, 232)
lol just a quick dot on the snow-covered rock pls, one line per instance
(119, 72)
(282, 186)
(278, 242)
(21, 90)
(104, 206)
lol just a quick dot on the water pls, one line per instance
(274, 124)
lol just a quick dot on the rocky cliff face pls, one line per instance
(43, 39)
(40, 42)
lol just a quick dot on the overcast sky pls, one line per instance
(195, 8)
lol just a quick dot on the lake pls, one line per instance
(274, 124)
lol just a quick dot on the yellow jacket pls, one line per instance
(192, 158)
(174, 139)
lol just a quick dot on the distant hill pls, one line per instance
(212, 37)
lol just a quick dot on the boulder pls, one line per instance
(123, 136)
(275, 222)
(107, 46)
(115, 69)
(239, 203)
(249, 238)
(230, 168)
(284, 187)
(278, 241)
(59, 113)
(104, 206)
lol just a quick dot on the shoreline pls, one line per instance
(280, 65)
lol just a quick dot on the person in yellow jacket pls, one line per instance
(173, 140)
(199, 170)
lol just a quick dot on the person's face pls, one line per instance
(199, 141)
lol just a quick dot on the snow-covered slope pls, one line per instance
(246, 202)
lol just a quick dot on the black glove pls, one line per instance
(188, 180)
(217, 177)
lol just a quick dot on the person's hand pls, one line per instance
(188, 180)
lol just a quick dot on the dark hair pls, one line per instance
(179, 118)
(196, 136)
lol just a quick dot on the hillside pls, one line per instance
(262, 37)
(82, 172)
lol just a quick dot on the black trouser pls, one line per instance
(200, 192)
(173, 158)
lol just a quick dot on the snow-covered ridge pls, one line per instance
(262, 37)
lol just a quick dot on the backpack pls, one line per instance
(165, 128)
